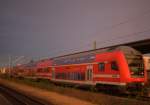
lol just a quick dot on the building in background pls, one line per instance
(147, 65)
(2, 70)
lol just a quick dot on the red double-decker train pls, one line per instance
(119, 66)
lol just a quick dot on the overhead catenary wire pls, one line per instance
(139, 33)
(60, 51)
(132, 19)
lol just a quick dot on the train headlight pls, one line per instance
(143, 84)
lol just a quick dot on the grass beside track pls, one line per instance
(93, 97)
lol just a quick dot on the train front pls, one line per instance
(135, 74)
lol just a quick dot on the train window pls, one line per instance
(69, 75)
(114, 65)
(101, 66)
(82, 76)
(46, 70)
(79, 76)
(39, 70)
(149, 61)
(73, 75)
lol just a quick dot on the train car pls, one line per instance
(115, 67)
(121, 66)
(25, 70)
(43, 69)
(18, 71)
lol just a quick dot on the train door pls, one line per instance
(89, 73)
(53, 72)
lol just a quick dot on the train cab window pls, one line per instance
(114, 65)
(101, 66)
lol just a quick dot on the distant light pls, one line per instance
(18, 64)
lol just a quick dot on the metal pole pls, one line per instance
(94, 45)
(9, 65)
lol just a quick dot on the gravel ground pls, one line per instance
(70, 96)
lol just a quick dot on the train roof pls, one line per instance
(125, 49)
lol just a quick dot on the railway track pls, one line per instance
(16, 98)
(133, 96)
(144, 98)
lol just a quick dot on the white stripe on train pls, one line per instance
(90, 82)
(75, 64)
(106, 76)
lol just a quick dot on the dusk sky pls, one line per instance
(47, 28)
